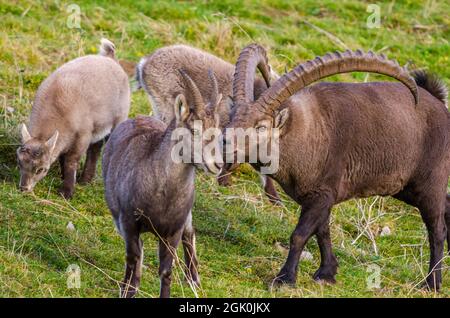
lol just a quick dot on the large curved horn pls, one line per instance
(251, 57)
(215, 88)
(194, 91)
(330, 64)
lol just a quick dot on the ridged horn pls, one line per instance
(251, 57)
(215, 89)
(199, 104)
(331, 64)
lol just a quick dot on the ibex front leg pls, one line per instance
(328, 262)
(314, 213)
(70, 174)
(71, 161)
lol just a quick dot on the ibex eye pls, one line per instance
(261, 129)
(40, 170)
(37, 153)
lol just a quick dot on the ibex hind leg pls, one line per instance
(433, 209)
(133, 266)
(433, 215)
(92, 155)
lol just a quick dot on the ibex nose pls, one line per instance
(25, 188)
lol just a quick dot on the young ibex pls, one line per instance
(75, 108)
(148, 191)
(344, 140)
(158, 75)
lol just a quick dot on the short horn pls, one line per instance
(251, 57)
(331, 64)
(194, 91)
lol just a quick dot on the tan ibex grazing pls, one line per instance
(346, 140)
(74, 110)
(147, 190)
(158, 75)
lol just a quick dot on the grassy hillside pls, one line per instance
(242, 239)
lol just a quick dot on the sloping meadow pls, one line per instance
(242, 239)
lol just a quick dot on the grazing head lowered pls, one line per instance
(74, 110)
(34, 157)
(339, 141)
(149, 189)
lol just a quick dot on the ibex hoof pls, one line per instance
(431, 286)
(66, 193)
(323, 275)
(283, 280)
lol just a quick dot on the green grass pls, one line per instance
(241, 237)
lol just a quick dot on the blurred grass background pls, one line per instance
(242, 239)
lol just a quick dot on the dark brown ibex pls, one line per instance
(75, 108)
(345, 140)
(148, 191)
(158, 75)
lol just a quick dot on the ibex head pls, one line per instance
(34, 157)
(265, 113)
(201, 119)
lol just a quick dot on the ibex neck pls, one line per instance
(166, 158)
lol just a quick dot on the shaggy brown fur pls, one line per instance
(147, 191)
(342, 140)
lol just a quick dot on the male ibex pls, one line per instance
(75, 108)
(345, 140)
(158, 75)
(148, 191)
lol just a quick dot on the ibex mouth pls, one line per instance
(219, 167)
(26, 189)
(211, 167)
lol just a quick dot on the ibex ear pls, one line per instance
(281, 118)
(273, 75)
(51, 143)
(25, 134)
(181, 108)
